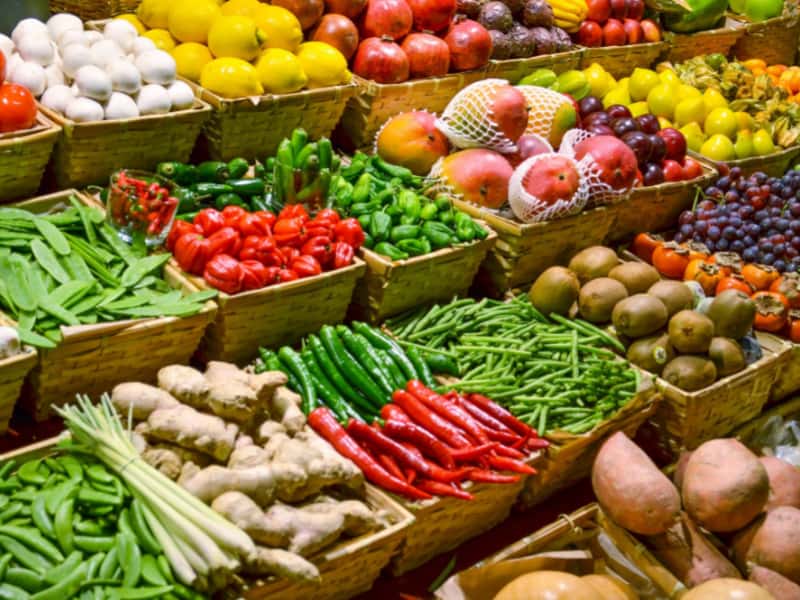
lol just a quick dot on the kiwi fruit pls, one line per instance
(651, 353)
(593, 262)
(733, 313)
(690, 373)
(727, 355)
(555, 291)
(690, 332)
(675, 295)
(639, 315)
(635, 276)
(599, 297)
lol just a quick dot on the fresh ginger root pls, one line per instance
(243, 512)
(143, 399)
(268, 429)
(186, 384)
(285, 407)
(261, 483)
(230, 395)
(358, 517)
(186, 427)
(266, 384)
(273, 561)
(247, 457)
(169, 459)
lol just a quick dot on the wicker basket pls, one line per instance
(384, 290)
(687, 419)
(788, 380)
(523, 251)
(656, 208)
(570, 457)
(91, 359)
(23, 158)
(94, 9)
(253, 127)
(87, 153)
(515, 69)
(13, 371)
(747, 432)
(620, 61)
(682, 46)
(775, 164)
(774, 40)
(275, 315)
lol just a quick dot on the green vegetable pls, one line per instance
(212, 172)
(705, 14)
(229, 199)
(391, 251)
(438, 234)
(211, 189)
(379, 226)
(237, 168)
(180, 173)
(292, 361)
(247, 187)
(404, 232)
(415, 247)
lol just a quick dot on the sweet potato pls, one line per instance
(689, 555)
(727, 589)
(631, 489)
(610, 588)
(773, 542)
(725, 486)
(784, 483)
(680, 469)
(775, 583)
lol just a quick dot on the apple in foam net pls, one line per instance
(553, 179)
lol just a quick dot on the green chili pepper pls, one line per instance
(379, 226)
(438, 234)
(421, 367)
(440, 363)
(180, 173)
(415, 247)
(292, 361)
(212, 171)
(229, 199)
(260, 171)
(348, 365)
(336, 377)
(362, 352)
(361, 188)
(211, 189)
(299, 141)
(428, 212)
(325, 388)
(325, 152)
(237, 168)
(187, 200)
(404, 232)
(390, 251)
(247, 187)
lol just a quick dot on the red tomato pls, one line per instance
(691, 168)
(17, 108)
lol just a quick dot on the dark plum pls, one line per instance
(600, 129)
(649, 124)
(590, 105)
(658, 147)
(638, 142)
(652, 174)
(618, 111)
(624, 125)
(600, 118)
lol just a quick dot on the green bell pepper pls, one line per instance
(212, 171)
(409, 202)
(361, 188)
(404, 220)
(390, 251)
(394, 211)
(443, 202)
(379, 226)
(187, 200)
(465, 231)
(428, 212)
(229, 199)
(416, 247)
(438, 234)
(364, 221)
(368, 241)
(705, 14)
(180, 173)
(404, 232)
(237, 168)
(447, 217)
(364, 208)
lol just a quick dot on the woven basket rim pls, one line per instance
(708, 172)
(44, 129)
(783, 154)
(525, 228)
(641, 48)
(731, 26)
(555, 57)
(373, 87)
(345, 90)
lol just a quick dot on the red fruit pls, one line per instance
(673, 171)
(509, 111)
(479, 176)
(338, 31)
(633, 31)
(412, 141)
(428, 55)
(308, 12)
(599, 10)
(590, 34)
(470, 45)
(676, 143)
(528, 145)
(552, 180)
(650, 30)
(381, 60)
(17, 108)
(349, 8)
(619, 9)
(390, 18)
(617, 162)
(2, 67)
(614, 33)
(636, 9)
(432, 15)
(691, 168)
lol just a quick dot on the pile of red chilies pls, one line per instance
(429, 443)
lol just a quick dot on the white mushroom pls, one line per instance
(6, 46)
(54, 76)
(142, 45)
(121, 106)
(37, 48)
(181, 95)
(58, 24)
(70, 36)
(125, 77)
(153, 100)
(93, 83)
(92, 37)
(122, 32)
(28, 27)
(31, 75)
(157, 66)
(105, 52)
(84, 110)
(57, 98)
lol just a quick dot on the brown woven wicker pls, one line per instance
(87, 153)
(747, 432)
(788, 381)
(774, 40)
(682, 47)
(775, 164)
(23, 158)
(621, 60)
(253, 127)
(515, 69)
(94, 9)
(13, 371)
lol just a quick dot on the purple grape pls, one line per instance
(779, 249)
(723, 245)
(735, 173)
(701, 227)
(782, 224)
(780, 265)
(750, 254)
(768, 258)
(737, 246)
(679, 238)
(687, 217)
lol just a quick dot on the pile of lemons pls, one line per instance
(240, 47)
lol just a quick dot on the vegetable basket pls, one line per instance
(788, 380)
(253, 127)
(621, 60)
(656, 208)
(774, 165)
(275, 315)
(523, 251)
(87, 153)
(91, 359)
(24, 156)
(13, 371)
(374, 103)
(391, 287)
(570, 457)
(773, 40)
(94, 9)
(514, 69)
(683, 46)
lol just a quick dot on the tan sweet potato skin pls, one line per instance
(725, 486)
(631, 489)
(784, 483)
(691, 557)
(680, 469)
(774, 543)
(775, 583)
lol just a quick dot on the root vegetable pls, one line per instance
(267, 430)
(186, 427)
(359, 519)
(243, 512)
(772, 542)
(169, 459)
(184, 383)
(247, 457)
(285, 407)
(784, 483)
(230, 395)
(266, 384)
(142, 397)
(775, 583)
(262, 484)
(273, 561)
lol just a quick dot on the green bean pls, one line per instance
(24, 556)
(63, 526)
(28, 580)
(34, 540)
(109, 564)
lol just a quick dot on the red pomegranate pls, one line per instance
(432, 15)
(392, 18)
(428, 55)
(470, 45)
(349, 8)
(308, 12)
(411, 139)
(381, 60)
(617, 162)
(509, 110)
(338, 31)
(479, 176)
(552, 179)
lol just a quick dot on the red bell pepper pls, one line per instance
(290, 232)
(224, 273)
(327, 216)
(289, 254)
(319, 247)
(192, 253)
(262, 249)
(254, 275)
(225, 241)
(343, 254)
(447, 410)
(427, 419)
(268, 217)
(254, 224)
(280, 275)
(306, 266)
(209, 220)
(422, 439)
(293, 211)
(179, 228)
(350, 232)
(232, 214)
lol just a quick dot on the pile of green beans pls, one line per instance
(552, 373)
(69, 528)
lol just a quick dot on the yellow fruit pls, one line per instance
(231, 78)
(600, 82)
(691, 110)
(687, 91)
(133, 20)
(190, 59)
(161, 38)
(662, 100)
(619, 95)
(625, 84)
(323, 64)
(638, 108)
(669, 76)
(721, 120)
(235, 37)
(153, 13)
(694, 136)
(280, 71)
(664, 123)
(713, 99)
(743, 146)
(641, 82)
(718, 147)
(762, 143)
(281, 26)
(190, 20)
(240, 8)
(745, 121)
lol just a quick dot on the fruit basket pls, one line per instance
(24, 156)
(13, 371)
(773, 40)
(775, 164)
(788, 381)
(621, 60)
(93, 9)
(684, 46)
(514, 69)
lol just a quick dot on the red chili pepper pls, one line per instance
(486, 419)
(224, 273)
(509, 452)
(343, 255)
(504, 463)
(392, 411)
(320, 247)
(262, 249)
(253, 224)
(501, 414)
(448, 410)
(427, 419)
(225, 241)
(255, 275)
(306, 266)
(501, 436)
(232, 214)
(422, 439)
(192, 253)
(209, 220)
(442, 489)
(179, 228)
(537, 443)
(390, 465)
(350, 232)
(326, 425)
(293, 211)
(266, 216)
(484, 476)
(473, 452)
(290, 232)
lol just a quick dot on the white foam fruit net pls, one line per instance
(599, 193)
(530, 209)
(544, 104)
(467, 120)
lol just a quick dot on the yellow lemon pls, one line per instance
(688, 91)
(236, 37)
(231, 78)
(619, 95)
(153, 13)
(133, 20)
(280, 71)
(625, 84)
(240, 8)
(743, 146)
(713, 99)
(694, 136)
(281, 26)
(662, 100)
(762, 143)
(669, 76)
(161, 38)
(718, 147)
(190, 59)
(641, 82)
(638, 109)
(721, 120)
(664, 123)
(691, 110)
(600, 82)
(323, 64)
(190, 20)
(745, 121)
